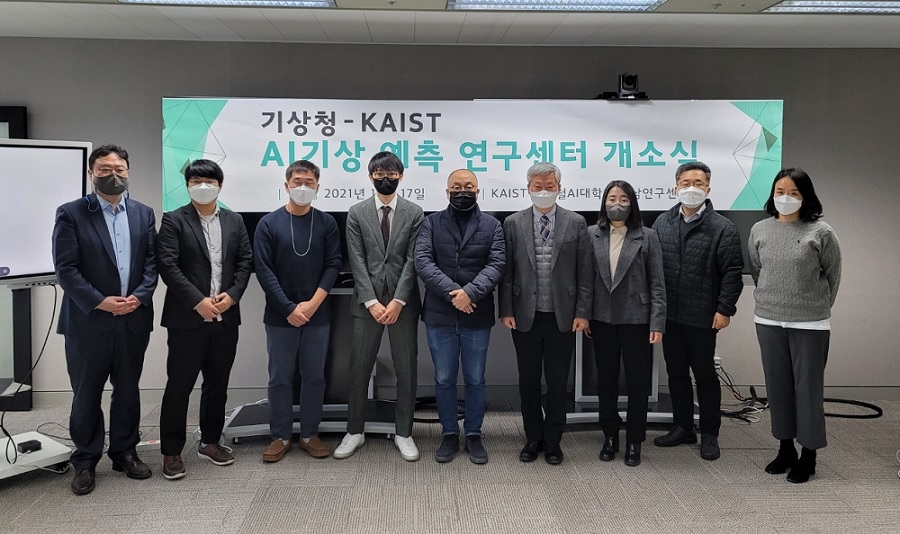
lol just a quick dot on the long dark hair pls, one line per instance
(811, 210)
(634, 218)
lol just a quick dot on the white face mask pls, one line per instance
(303, 196)
(203, 193)
(787, 205)
(543, 199)
(691, 197)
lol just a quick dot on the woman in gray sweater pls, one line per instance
(795, 260)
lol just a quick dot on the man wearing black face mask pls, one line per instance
(381, 234)
(460, 256)
(104, 253)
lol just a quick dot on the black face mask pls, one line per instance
(385, 186)
(463, 200)
(111, 185)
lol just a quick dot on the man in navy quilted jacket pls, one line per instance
(460, 256)
(702, 262)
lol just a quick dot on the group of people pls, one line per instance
(620, 283)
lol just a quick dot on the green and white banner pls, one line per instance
(591, 141)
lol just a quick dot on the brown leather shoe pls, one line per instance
(216, 454)
(173, 467)
(315, 447)
(276, 451)
(83, 483)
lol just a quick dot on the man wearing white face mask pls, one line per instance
(297, 250)
(545, 298)
(702, 262)
(205, 260)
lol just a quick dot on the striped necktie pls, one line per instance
(545, 227)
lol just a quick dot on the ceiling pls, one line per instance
(677, 23)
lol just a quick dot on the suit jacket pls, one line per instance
(183, 257)
(571, 269)
(637, 294)
(86, 269)
(375, 266)
(446, 261)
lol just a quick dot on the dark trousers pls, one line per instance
(210, 350)
(91, 359)
(691, 349)
(367, 333)
(793, 361)
(630, 344)
(544, 348)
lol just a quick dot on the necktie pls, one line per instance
(385, 224)
(545, 227)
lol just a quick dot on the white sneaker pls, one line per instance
(348, 445)
(407, 447)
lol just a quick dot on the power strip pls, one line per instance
(148, 445)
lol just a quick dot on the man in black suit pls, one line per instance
(205, 260)
(104, 254)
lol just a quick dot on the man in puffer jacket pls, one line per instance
(702, 262)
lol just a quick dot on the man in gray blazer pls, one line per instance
(381, 240)
(545, 298)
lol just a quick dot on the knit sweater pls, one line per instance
(797, 269)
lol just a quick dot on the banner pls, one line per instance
(591, 141)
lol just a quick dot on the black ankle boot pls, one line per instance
(787, 457)
(804, 467)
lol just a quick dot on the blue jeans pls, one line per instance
(449, 345)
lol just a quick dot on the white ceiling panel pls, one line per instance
(438, 27)
(248, 23)
(201, 22)
(576, 29)
(485, 28)
(686, 23)
(296, 25)
(344, 25)
(532, 28)
(391, 27)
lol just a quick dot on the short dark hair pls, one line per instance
(300, 166)
(385, 161)
(105, 150)
(204, 168)
(811, 209)
(693, 166)
(634, 218)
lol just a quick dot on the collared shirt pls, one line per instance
(550, 215)
(378, 205)
(120, 235)
(212, 233)
(616, 238)
(695, 216)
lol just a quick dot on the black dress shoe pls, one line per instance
(531, 450)
(83, 483)
(610, 448)
(475, 448)
(132, 466)
(709, 447)
(553, 455)
(448, 449)
(633, 454)
(677, 436)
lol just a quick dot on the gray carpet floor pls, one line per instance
(855, 489)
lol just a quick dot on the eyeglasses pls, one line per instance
(469, 188)
(388, 175)
(207, 181)
(106, 171)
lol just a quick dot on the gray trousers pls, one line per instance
(367, 333)
(794, 364)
